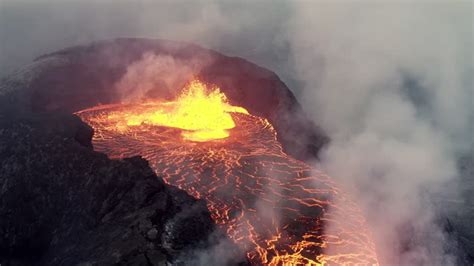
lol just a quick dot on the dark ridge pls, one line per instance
(61, 203)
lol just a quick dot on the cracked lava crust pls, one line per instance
(279, 210)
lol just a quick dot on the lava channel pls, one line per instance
(279, 210)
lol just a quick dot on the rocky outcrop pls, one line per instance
(61, 203)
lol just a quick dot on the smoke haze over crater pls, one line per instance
(391, 83)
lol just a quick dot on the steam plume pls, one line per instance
(390, 83)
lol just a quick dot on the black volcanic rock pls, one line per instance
(84, 76)
(61, 203)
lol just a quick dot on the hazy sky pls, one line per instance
(31, 28)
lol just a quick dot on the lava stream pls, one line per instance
(276, 208)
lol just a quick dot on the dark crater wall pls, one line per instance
(61, 203)
(84, 76)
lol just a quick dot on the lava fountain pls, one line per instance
(202, 114)
(279, 210)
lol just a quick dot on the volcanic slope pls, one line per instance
(274, 207)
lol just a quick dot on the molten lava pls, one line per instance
(202, 113)
(277, 209)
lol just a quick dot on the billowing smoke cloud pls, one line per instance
(158, 76)
(391, 85)
(390, 82)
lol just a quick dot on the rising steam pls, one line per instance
(390, 84)
(358, 54)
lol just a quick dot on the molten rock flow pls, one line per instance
(276, 208)
(203, 113)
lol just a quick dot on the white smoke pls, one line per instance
(158, 76)
(390, 84)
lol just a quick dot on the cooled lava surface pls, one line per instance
(279, 210)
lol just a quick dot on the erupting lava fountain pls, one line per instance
(279, 210)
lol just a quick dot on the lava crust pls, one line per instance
(274, 207)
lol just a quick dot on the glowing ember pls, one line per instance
(202, 113)
(274, 207)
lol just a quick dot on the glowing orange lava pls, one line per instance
(202, 113)
(277, 209)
